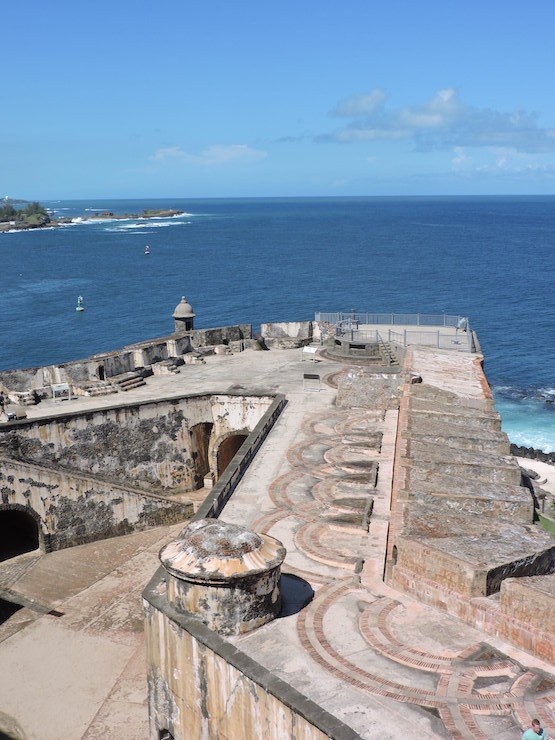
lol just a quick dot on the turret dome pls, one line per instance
(183, 310)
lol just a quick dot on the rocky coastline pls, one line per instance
(532, 454)
(147, 213)
(48, 223)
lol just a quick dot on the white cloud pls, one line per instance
(211, 156)
(168, 153)
(442, 122)
(460, 157)
(359, 105)
(371, 134)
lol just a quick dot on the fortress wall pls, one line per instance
(199, 685)
(287, 334)
(461, 524)
(530, 601)
(214, 503)
(202, 685)
(74, 509)
(453, 573)
(119, 361)
(508, 619)
(484, 502)
(220, 335)
(147, 445)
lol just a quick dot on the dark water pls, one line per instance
(283, 259)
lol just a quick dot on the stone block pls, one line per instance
(530, 600)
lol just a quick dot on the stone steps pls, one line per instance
(97, 388)
(390, 356)
(127, 381)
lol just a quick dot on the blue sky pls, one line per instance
(304, 98)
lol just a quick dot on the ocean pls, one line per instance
(262, 260)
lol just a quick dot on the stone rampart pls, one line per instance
(462, 520)
(287, 334)
(90, 475)
(148, 445)
(200, 685)
(74, 509)
(131, 358)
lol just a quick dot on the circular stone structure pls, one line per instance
(225, 574)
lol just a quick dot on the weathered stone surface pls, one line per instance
(87, 476)
(145, 445)
(295, 330)
(494, 443)
(431, 451)
(422, 479)
(476, 565)
(74, 509)
(463, 517)
(361, 388)
(530, 600)
(224, 574)
(514, 506)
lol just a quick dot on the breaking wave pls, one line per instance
(527, 416)
(144, 224)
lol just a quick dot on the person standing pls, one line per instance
(535, 731)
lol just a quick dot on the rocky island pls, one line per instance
(147, 213)
(35, 216)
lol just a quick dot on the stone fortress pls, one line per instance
(335, 537)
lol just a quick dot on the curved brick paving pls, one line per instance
(321, 487)
(333, 473)
(458, 697)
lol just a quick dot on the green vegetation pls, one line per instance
(31, 217)
(14, 215)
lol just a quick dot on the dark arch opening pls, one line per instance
(227, 450)
(200, 444)
(19, 533)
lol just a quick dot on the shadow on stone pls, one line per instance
(296, 593)
(7, 609)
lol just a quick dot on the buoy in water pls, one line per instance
(80, 306)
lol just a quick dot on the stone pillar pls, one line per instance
(224, 574)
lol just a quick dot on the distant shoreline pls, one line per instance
(11, 226)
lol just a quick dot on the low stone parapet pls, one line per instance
(531, 601)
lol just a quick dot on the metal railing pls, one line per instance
(347, 325)
(394, 319)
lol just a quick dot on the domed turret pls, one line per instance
(184, 316)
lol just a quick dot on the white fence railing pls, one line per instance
(394, 319)
(353, 326)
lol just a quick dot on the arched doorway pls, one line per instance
(200, 444)
(228, 449)
(19, 533)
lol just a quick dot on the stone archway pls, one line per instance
(200, 445)
(19, 532)
(227, 450)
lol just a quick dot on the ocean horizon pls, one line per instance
(257, 260)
